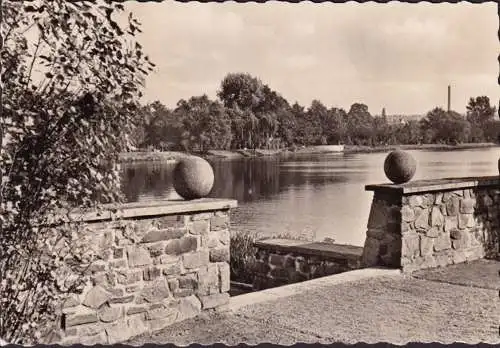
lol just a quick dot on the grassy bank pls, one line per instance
(386, 148)
(163, 156)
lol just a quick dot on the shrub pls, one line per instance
(61, 133)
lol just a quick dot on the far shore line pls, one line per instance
(172, 156)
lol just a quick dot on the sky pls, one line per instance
(398, 56)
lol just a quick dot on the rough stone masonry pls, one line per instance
(433, 223)
(152, 271)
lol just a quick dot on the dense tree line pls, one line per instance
(249, 114)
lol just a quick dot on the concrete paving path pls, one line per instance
(454, 304)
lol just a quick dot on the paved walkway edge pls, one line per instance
(240, 301)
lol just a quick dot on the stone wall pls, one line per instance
(156, 265)
(281, 261)
(425, 224)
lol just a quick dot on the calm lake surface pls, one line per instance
(314, 196)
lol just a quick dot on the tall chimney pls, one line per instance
(449, 97)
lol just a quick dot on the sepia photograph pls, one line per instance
(245, 173)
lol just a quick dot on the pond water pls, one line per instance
(314, 196)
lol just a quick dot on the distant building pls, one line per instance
(394, 119)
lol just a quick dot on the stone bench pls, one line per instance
(284, 261)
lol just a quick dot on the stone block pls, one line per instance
(196, 259)
(136, 310)
(376, 233)
(458, 257)
(437, 218)
(208, 280)
(96, 297)
(465, 221)
(452, 206)
(153, 236)
(71, 301)
(156, 249)
(210, 241)
(188, 281)
(447, 196)
(467, 206)
(151, 273)
(276, 259)
(166, 259)
(109, 314)
(90, 340)
(474, 253)
(410, 246)
(173, 284)
(154, 292)
(173, 269)
(219, 254)
(438, 198)
(138, 257)
(86, 329)
(97, 266)
(289, 261)
(457, 234)
(219, 223)
(407, 214)
(189, 307)
(122, 299)
(461, 243)
(201, 227)
(118, 332)
(128, 277)
(181, 246)
(160, 311)
(224, 237)
(442, 242)
(215, 300)
(433, 232)
(118, 253)
(133, 288)
(120, 263)
(426, 246)
(378, 215)
(281, 273)
(170, 221)
(370, 257)
(415, 200)
(443, 259)
(80, 317)
(422, 220)
(450, 223)
(224, 277)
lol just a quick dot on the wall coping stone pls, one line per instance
(156, 208)
(322, 249)
(421, 186)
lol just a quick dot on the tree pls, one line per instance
(359, 124)
(242, 90)
(440, 126)
(206, 124)
(481, 114)
(69, 101)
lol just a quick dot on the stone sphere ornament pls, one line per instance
(193, 178)
(399, 166)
